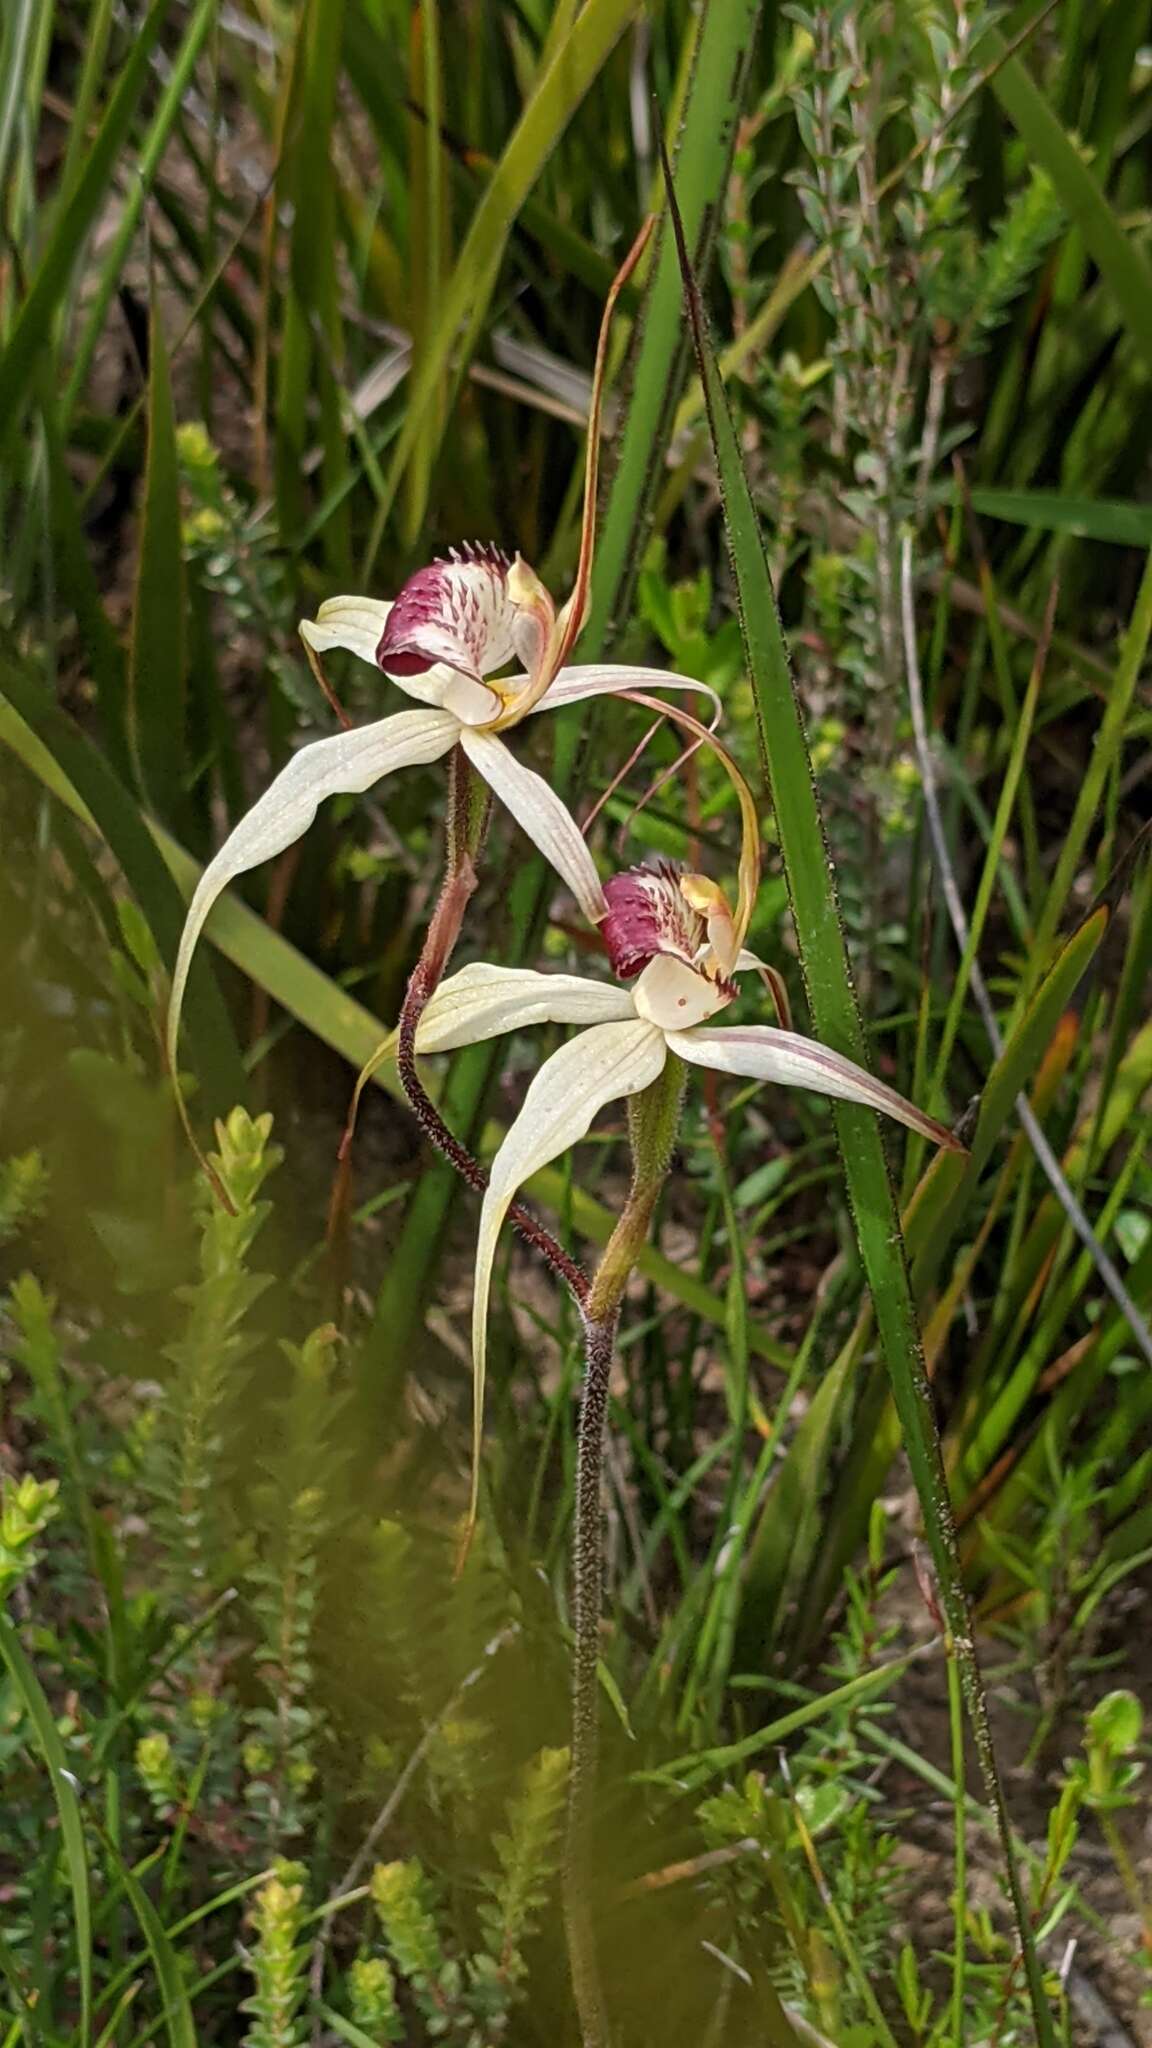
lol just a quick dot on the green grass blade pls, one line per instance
(67, 754)
(551, 106)
(1109, 741)
(177, 2009)
(16, 43)
(988, 877)
(52, 1750)
(947, 1188)
(31, 333)
(1109, 519)
(156, 666)
(78, 587)
(97, 29)
(727, 36)
(692, 1771)
(312, 304)
(837, 1022)
(933, 1220)
(1121, 263)
(139, 186)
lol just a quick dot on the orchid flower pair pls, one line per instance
(672, 935)
(478, 643)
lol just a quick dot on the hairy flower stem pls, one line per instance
(653, 1117)
(466, 825)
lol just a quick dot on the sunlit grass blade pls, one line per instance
(468, 291)
(16, 44)
(836, 1020)
(157, 667)
(31, 1695)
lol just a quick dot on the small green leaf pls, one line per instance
(1116, 1723)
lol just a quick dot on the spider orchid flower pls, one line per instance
(453, 625)
(447, 640)
(672, 936)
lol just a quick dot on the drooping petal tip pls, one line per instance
(354, 623)
(606, 1063)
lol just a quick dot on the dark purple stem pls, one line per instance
(587, 1606)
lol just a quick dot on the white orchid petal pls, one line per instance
(472, 703)
(757, 1052)
(344, 764)
(354, 623)
(674, 995)
(482, 1001)
(535, 805)
(609, 678)
(605, 1064)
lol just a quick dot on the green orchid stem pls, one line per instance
(653, 1120)
(467, 822)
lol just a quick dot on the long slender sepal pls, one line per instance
(345, 764)
(605, 1064)
(757, 1052)
(543, 815)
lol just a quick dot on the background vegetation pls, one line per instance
(294, 293)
